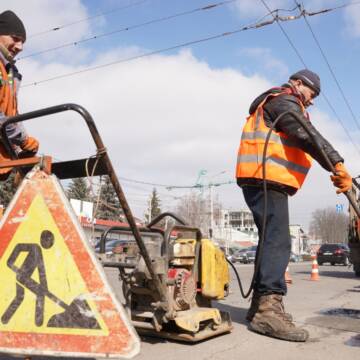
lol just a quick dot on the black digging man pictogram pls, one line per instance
(77, 314)
(33, 261)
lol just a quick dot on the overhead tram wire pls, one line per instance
(303, 62)
(57, 28)
(343, 6)
(171, 187)
(142, 182)
(132, 27)
(253, 25)
(347, 103)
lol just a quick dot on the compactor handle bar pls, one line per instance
(101, 152)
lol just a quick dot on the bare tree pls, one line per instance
(329, 225)
(194, 208)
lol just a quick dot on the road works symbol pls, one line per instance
(54, 296)
(76, 315)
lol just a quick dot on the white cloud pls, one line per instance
(165, 118)
(352, 18)
(264, 59)
(162, 118)
(248, 8)
(41, 15)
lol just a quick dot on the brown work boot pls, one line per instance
(255, 300)
(270, 320)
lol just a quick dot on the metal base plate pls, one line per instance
(179, 334)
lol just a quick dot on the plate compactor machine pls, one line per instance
(169, 289)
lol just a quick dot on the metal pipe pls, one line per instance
(105, 234)
(161, 216)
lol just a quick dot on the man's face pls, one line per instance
(13, 44)
(308, 94)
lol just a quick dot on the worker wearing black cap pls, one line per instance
(12, 38)
(289, 155)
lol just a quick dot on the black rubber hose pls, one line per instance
(262, 235)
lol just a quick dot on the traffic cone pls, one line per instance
(288, 278)
(314, 270)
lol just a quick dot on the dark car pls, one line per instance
(251, 254)
(238, 256)
(109, 245)
(294, 257)
(245, 256)
(333, 254)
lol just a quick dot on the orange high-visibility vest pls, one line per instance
(8, 102)
(285, 163)
(8, 106)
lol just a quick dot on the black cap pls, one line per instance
(10, 24)
(309, 79)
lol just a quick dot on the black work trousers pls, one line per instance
(277, 241)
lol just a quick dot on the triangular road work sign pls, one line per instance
(54, 296)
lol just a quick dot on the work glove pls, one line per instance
(30, 144)
(342, 179)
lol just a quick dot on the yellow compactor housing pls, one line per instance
(214, 271)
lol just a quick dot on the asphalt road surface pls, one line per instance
(329, 309)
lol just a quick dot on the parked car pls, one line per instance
(333, 254)
(251, 254)
(229, 252)
(109, 245)
(238, 256)
(294, 258)
(245, 256)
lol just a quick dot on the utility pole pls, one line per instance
(211, 211)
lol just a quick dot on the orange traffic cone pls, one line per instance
(288, 278)
(314, 270)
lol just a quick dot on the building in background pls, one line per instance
(94, 228)
(237, 228)
(241, 220)
(299, 240)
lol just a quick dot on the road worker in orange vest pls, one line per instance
(289, 155)
(12, 38)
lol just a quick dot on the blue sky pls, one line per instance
(264, 51)
(168, 116)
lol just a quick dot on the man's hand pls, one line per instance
(30, 144)
(342, 180)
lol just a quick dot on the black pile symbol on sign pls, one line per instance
(76, 315)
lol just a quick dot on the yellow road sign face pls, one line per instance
(60, 270)
(54, 296)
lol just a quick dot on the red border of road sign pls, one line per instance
(122, 339)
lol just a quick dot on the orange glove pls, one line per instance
(30, 144)
(342, 179)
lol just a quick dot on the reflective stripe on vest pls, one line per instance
(285, 162)
(8, 107)
(262, 135)
(272, 159)
(8, 102)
